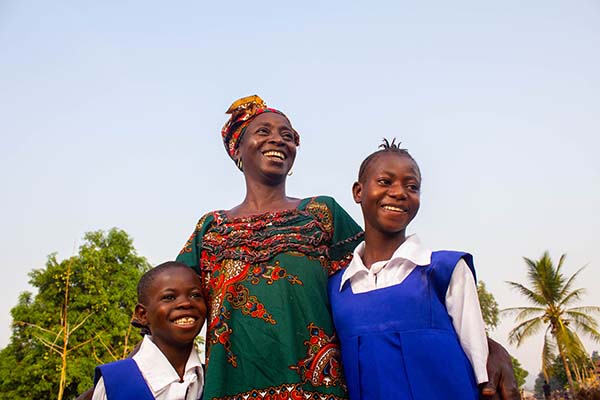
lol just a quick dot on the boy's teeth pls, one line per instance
(185, 321)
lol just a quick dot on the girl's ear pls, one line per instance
(141, 314)
(357, 192)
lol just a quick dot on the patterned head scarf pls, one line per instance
(242, 112)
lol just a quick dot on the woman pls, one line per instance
(265, 265)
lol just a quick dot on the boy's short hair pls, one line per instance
(146, 280)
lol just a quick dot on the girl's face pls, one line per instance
(389, 194)
(267, 147)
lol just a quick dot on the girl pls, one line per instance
(408, 319)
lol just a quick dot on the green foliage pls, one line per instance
(552, 295)
(520, 373)
(489, 307)
(101, 299)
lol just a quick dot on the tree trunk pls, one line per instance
(567, 370)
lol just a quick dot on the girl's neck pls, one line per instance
(380, 247)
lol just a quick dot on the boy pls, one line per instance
(166, 366)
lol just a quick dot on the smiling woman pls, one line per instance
(264, 266)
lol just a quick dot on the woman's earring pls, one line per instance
(291, 171)
(239, 164)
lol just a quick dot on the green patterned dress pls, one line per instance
(270, 333)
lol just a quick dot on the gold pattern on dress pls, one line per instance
(271, 274)
(239, 297)
(231, 268)
(322, 213)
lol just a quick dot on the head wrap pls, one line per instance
(242, 112)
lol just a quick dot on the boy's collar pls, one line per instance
(162, 372)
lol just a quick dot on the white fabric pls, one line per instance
(462, 302)
(161, 377)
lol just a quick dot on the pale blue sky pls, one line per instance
(110, 115)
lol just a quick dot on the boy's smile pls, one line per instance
(389, 194)
(175, 310)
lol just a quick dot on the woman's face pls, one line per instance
(267, 147)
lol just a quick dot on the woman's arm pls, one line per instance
(502, 384)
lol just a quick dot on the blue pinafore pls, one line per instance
(123, 380)
(398, 342)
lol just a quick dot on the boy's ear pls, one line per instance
(357, 192)
(141, 314)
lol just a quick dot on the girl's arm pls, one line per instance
(462, 304)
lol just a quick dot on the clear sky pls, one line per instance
(110, 115)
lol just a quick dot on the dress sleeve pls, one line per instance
(347, 234)
(192, 250)
(462, 304)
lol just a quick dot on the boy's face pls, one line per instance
(175, 309)
(389, 194)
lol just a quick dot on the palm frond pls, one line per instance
(561, 261)
(584, 310)
(528, 293)
(590, 330)
(574, 347)
(523, 312)
(571, 297)
(525, 330)
(576, 316)
(566, 290)
(548, 351)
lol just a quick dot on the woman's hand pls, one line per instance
(502, 384)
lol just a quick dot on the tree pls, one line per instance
(80, 317)
(489, 307)
(552, 295)
(520, 373)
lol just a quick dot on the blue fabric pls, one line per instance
(123, 380)
(398, 342)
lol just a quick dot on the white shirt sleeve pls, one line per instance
(462, 304)
(99, 390)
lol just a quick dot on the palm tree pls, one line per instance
(552, 295)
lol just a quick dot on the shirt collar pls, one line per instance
(156, 368)
(410, 250)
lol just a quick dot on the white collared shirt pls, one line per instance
(161, 377)
(462, 302)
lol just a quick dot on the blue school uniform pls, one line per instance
(398, 342)
(123, 380)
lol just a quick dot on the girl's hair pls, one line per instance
(386, 147)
